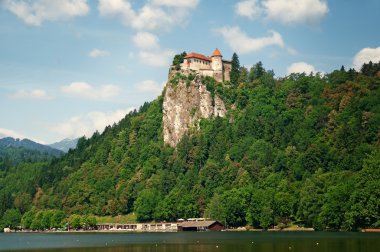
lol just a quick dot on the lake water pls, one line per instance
(192, 241)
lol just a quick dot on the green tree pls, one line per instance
(214, 209)
(256, 72)
(57, 219)
(46, 219)
(75, 221)
(145, 205)
(364, 202)
(27, 219)
(88, 222)
(266, 217)
(12, 218)
(243, 75)
(178, 60)
(235, 69)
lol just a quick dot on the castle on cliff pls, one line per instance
(213, 66)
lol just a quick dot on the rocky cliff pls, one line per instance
(186, 102)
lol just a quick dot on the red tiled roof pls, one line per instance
(198, 56)
(216, 53)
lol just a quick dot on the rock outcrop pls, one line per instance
(186, 102)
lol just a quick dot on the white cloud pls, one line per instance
(14, 134)
(295, 11)
(249, 8)
(177, 3)
(301, 67)
(146, 40)
(87, 124)
(241, 43)
(366, 55)
(35, 94)
(151, 54)
(95, 53)
(284, 11)
(157, 58)
(85, 90)
(153, 15)
(10, 133)
(37, 11)
(149, 86)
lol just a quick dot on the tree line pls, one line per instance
(298, 150)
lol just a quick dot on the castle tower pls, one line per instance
(216, 61)
(217, 65)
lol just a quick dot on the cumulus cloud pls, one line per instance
(301, 67)
(156, 58)
(153, 15)
(249, 8)
(146, 40)
(149, 86)
(96, 53)
(87, 124)
(241, 43)
(37, 11)
(366, 55)
(284, 11)
(35, 94)
(295, 11)
(85, 90)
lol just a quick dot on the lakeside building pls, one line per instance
(214, 66)
(193, 225)
(200, 226)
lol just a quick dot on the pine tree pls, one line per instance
(235, 69)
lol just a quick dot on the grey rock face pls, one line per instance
(185, 104)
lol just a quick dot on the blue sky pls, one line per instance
(70, 67)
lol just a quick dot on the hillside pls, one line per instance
(15, 151)
(9, 142)
(300, 149)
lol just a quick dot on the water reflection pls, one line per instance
(199, 242)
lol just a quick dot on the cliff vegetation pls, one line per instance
(303, 149)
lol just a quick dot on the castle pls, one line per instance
(213, 66)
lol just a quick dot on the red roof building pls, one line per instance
(213, 66)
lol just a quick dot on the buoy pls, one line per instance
(290, 248)
(217, 246)
(317, 243)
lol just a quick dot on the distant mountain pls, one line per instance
(65, 145)
(9, 142)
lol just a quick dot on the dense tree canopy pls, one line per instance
(303, 149)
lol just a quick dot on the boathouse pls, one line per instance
(200, 226)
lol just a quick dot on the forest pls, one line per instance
(298, 150)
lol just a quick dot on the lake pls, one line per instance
(192, 241)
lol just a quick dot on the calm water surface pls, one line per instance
(191, 241)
